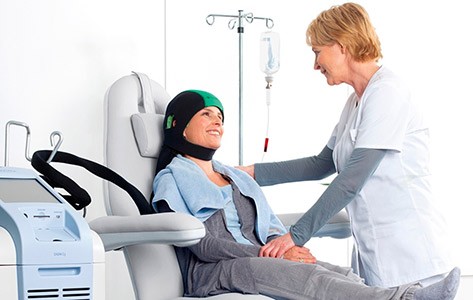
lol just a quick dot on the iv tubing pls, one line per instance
(269, 80)
(266, 140)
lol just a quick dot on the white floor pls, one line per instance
(465, 292)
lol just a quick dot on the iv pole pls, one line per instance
(248, 17)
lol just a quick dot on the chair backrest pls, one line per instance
(134, 110)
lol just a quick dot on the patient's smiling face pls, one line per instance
(205, 128)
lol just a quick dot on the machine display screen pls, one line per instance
(24, 190)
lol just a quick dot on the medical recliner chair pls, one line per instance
(134, 112)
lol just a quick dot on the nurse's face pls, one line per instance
(331, 61)
(205, 128)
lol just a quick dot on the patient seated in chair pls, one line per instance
(238, 221)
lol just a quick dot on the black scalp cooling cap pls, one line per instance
(179, 112)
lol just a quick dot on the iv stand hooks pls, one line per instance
(248, 17)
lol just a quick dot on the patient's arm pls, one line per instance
(218, 244)
(214, 247)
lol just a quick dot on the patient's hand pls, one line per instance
(300, 254)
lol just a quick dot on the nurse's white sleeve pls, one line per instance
(343, 189)
(308, 168)
(385, 117)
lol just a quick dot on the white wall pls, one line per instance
(57, 58)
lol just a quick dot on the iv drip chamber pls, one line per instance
(269, 52)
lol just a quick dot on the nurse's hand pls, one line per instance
(277, 247)
(248, 169)
(300, 254)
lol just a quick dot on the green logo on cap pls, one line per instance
(169, 121)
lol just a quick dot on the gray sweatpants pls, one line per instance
(322, 281)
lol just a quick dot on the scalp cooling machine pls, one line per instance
(47, 250)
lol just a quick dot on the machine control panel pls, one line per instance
(48, 223)
(42, 224)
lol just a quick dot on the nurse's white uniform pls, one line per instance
(399, 234)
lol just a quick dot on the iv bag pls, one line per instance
(269, 52)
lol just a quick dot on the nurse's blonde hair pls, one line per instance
(348, 25)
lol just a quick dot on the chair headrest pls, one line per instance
(148, 131)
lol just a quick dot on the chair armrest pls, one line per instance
(165, 228)
(337, 227)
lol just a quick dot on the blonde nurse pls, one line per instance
(380, 151)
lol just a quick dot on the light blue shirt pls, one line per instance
(231, 216)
